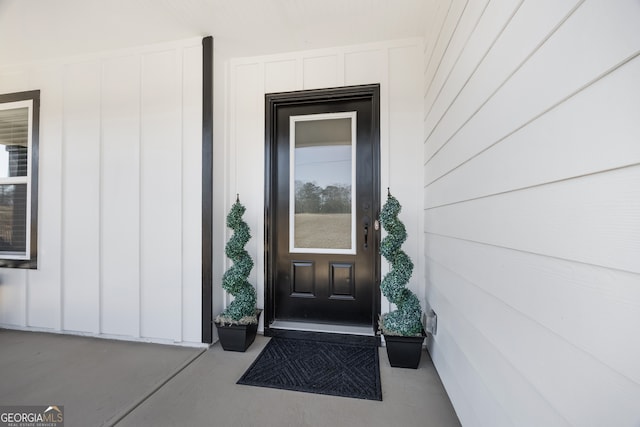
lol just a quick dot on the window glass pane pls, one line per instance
(323, 168)
(13, 217)
(14, 140)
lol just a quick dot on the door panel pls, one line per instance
(322, 191)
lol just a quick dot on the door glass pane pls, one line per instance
(322, 170)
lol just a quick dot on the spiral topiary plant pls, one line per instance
(405, 320)
(242, 309)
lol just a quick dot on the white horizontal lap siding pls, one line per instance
(119, 251)
(532, 215)
(464, 22)
(593, 219)
(593, 294)
(395, 65)
(563, 65)
(534, 352)
(447, 17)
(594, 130)
(493, 33)
(473, 362)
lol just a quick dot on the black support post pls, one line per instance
(207, 188)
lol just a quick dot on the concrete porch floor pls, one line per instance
(104, 382)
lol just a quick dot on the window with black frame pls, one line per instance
(19, 131)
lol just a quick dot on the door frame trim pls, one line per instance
(273, 101)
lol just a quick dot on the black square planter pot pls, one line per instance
(237, 337)
(404, 352)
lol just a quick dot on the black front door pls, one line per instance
(322, 203)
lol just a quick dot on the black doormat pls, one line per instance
(337, 369)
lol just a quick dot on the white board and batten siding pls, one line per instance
(532, 211)
(120, 196)
(395, 65)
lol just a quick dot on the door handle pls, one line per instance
(365, 221)
(366, 236)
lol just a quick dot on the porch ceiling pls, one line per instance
(43, 29)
